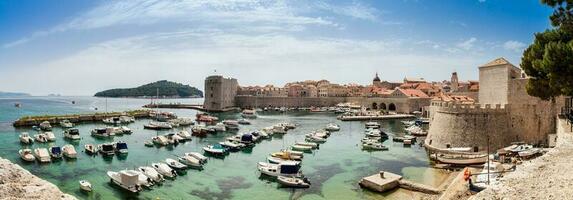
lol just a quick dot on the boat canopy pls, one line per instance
(247, 137)
(56, 150)
(74, 131)
(121, 145)
(107, 147)
(289, 169)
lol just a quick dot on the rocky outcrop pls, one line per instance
(18, 183)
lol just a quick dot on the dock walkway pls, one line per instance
(76, 118)
(385, 181)
(375, 117)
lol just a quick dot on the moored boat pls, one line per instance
(85, 186)
(301, 148)
(107, 149)
(332, 127)
(27, 155)
(50, 136)
(42, 155)
(215, 149)
(164, 170)
(70, 151)
(66, 124)
(374, 146)
(55, 152)
(198, 156)
(190, 161)
(126, 179)
(151, 173)
(174, 164)
(25, 138)
(282, 169)
(72, 134)
(294, 182)
(185, 135)
(45, 126)
(121, 147)
(90, 149)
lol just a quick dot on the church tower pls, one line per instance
(376, 81)
(454, 84)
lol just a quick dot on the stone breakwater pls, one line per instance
(18, 183)
(546, 177)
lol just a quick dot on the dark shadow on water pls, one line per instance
(226, 186)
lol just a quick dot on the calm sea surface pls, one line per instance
(334, 169)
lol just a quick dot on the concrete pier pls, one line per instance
(381, 182)
(375, 117)
(55, 119)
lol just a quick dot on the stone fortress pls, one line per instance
(220, 93)
(505, 114)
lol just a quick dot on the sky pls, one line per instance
(85, 46)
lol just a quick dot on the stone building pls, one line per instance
(220, 93)
(505, 114)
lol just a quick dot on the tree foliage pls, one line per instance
(549, 60)
(164, 88)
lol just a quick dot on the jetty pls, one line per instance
(78, 118)
(374, 117)
(385, 181)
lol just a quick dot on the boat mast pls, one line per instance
(488, 159)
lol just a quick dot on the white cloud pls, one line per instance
(467, 44)
(513, 45)
(355, 10)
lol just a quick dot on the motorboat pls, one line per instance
(45, 126)
(125, 130)
(25, 138)
(287, 155)
(287, 125)
(332, 127)
(126, 119)
(416, 131)
(244, 122)
(233, 124)
(112, 121)
(249, 113)
(407, 142)
(370, 139)
(151, 173)
(374, 146)
(160, 140)
(185, 135)
(42, 155)
(520, 148)
(174, 164)
(288, 168)
(294, 182)
(408, 123)
(158, 126)
(107, 149)
(220, 127)
(528, 152)
(90, 149)
(66, 124)
(315, 139)
(183, 121)
(55, 152)
(121, 147)
(102, 132)
(164, 170)
(372, 125)
(142, 179)
(260, 135)
(70, 151)
(402, 138)
(277, 160)
(148, 143)
(301, 148)
(126, 179)
(310, 144)
(190, 161)
(173, 138)
(277, 129)
(72, 134)
(85, 186)
(215, 149)
(199, 130)
(232, 145)
(203, 117)
(373, 133)
(50, 136)
(27, 155)
(198, 156)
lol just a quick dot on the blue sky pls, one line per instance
(81, 47)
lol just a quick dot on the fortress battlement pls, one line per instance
(470, 108)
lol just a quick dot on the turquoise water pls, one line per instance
(334, 169)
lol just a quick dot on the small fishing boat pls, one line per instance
(529, 152)
(474, 160)
(121, 147)
(249, 113)
(55, 152)
(85, 186)
(148, 143)
(45, 126)
(332, 127)
(301, 148)
(185, 135)
(164, 170)
(289, 155)
(158, 126)
(374, 146)
(27, 155)
(70, 151)
(72, 134)
(407, 142)
(310, 144)
(244, 122)
(370, 140)
(107, 149)
(151, 173)
(41, 137)
(277, 160)
(160, 140)
(315, 139)
(112, 120)
(90, 149)
(66, 124)
(373, 133)
(125, 130)
(372, 125)
(173, 138)
(25, 138)
(215, 149)
(293, 182)
(50, 136)
(220, 127)
(260, 135)
(277, 129)
(199, 130)
(190, 161)
(287, 125)
(198, 156)
(126, 179)
(102, 132)
(232, 124)
(405, 137)
(281, 169)
(142, 179)
(42, 155)
(174, 164)
(232, 145)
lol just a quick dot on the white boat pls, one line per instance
(281, 169)
(301, 148)
(316, 139)
(220, 127)
(50, 136)
(142, 179)
(374, 146)
(121, 147)
(370, 140)
(519, 148)
(190, 161)
(198, 156)
(232, 145)
(288, 125)
(90, 149)
(158, 125)
(27, 155)
(185, 135)
(244, 122)
(126, 179)
(277, 129)
(482, 177)
(42, 155)
(160, 140)
(70, 151)
(112, 121)
(66, 124)
(126, 119)
(249, 113)
(103, 132)
(45, 126)
(231, 124)
(151, 173)
(332, 127)
(373, 133)
(125, 130)
(107, 149)
(407, 142)
(529, 152)
(408, 123)
(72, 134)
(372, 125)
(174, 164)
(215, 149)
(85, 186)
(173, 138)
(277, 160)
(25, 138)
(288, 155)
(164, 170)
(293, 182)
(310, 144)
(55, 152)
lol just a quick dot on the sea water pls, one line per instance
(334, 169)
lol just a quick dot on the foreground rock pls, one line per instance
(18, 183)
(546, 177)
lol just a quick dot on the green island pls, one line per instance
(162, 88)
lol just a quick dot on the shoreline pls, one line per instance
(18, 183)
